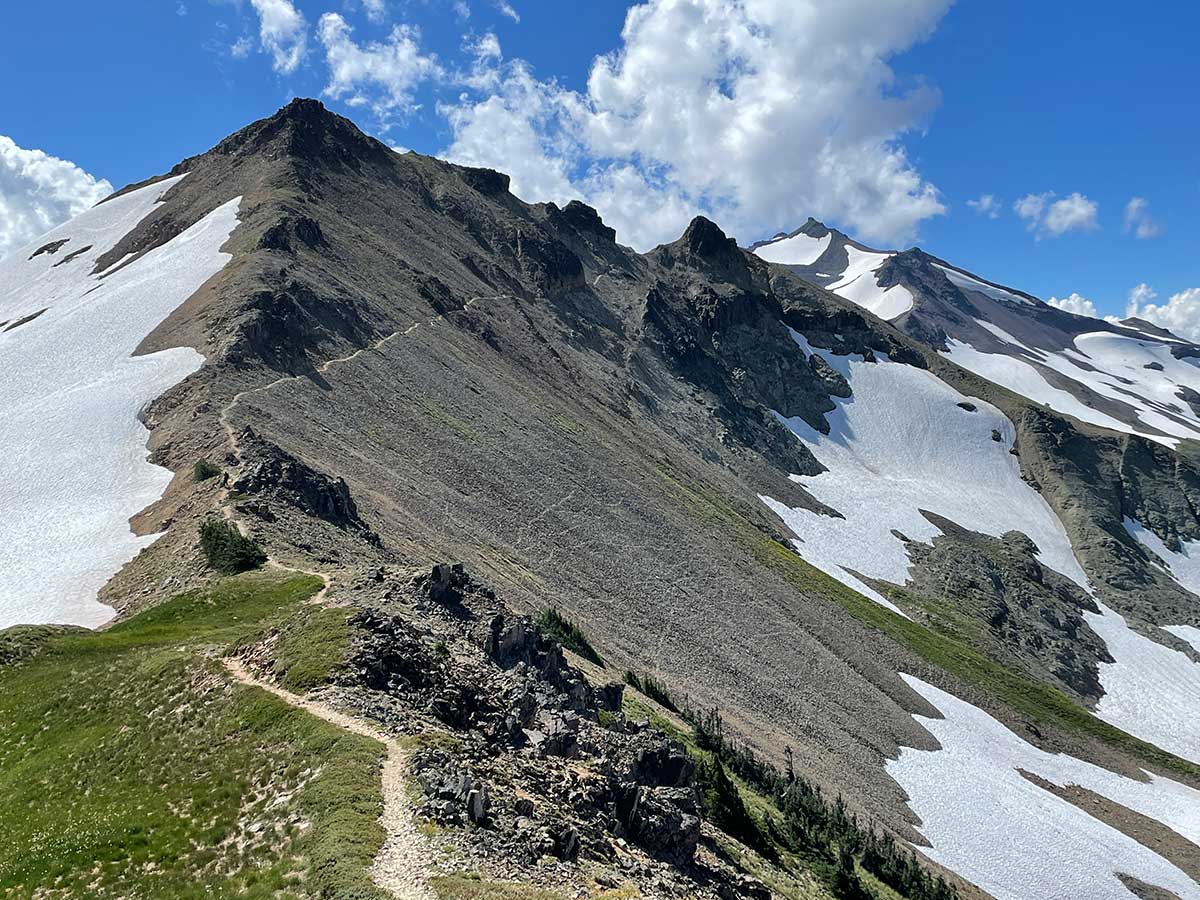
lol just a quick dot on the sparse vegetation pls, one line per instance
(204, 470)
(470, 886)
(554, 624)
(309, 648)
(227, 549)
(652, 688)
(132, 767)
(787, 819)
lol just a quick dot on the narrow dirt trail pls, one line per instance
(235, 447)
(330, 363)
(401, 866)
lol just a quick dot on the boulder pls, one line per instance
(478, 804)
(610, 696)
(663, 821)
(666, 765)
(567, 844)
(744, 887)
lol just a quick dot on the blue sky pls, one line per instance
(1007, 100)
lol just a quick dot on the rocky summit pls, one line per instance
(477, 555)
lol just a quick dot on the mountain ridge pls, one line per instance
(1007, 335)
(427, 368)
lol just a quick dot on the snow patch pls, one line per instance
(1184, 565)
(859, 284)
(73, 391)
(1150, 691)
(1023, 378)
(965, 282)
(1189, 633)
(797, 250)
(1018, 841)
(1153, 691)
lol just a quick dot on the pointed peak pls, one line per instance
(813, 228)
(705, 247)
(585, 218)
(305, 109)
(704, 238)
(304, 129)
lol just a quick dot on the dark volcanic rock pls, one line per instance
(547, 262)
(1033, 614)
(584, 218)
(282, 324)
(664, 820)
(52, 247)
(705, 248)
(268, 472)
(292, 230)
(389, 654)
(488, 182)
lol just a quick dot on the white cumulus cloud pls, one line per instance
(986, 205)
(757, 112)
(283, 32)
(518, 129)
(1139, 221)
(1140, 296)
(382, 75)
(1073, 213)
(1052, 218)
(1179, 315)
(39, 191)
(1075, 303)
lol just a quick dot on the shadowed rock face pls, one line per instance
(272, 475)
(430, 361)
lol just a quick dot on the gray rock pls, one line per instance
(478, 804)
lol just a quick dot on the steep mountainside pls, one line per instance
(839, 556)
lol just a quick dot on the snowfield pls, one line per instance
(1017, 840)
(1141, 375)
(1153, 691)
(797, 250)
(73, 391)
(899, 445)
(1150, 690)
(858, 283)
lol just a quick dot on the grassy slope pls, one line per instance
(131, 767)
